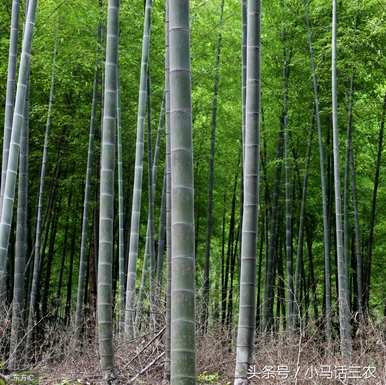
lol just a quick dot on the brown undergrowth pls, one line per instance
(305, 358)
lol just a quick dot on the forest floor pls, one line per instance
(304, 359)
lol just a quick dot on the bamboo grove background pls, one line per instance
(65, 88)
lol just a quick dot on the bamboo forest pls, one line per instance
(193, 192)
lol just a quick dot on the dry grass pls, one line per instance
(59, 360)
